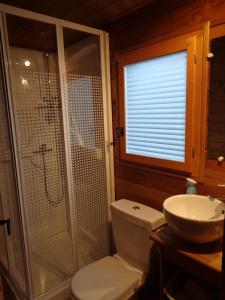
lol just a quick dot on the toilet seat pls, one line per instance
(105, 279)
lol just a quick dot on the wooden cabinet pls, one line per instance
(1, 289)
(203, 261)
(213, 110)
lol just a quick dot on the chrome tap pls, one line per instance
(218, 197)
(212, 197)
(220, 209)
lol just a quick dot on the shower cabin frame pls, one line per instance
(106, 92)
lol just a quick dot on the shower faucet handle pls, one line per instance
(42, 149)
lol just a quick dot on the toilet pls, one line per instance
(118, 277)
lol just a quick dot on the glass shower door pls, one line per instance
(84, 99)
(3, 247)
(11, 240)
(38, 118)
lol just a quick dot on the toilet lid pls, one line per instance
(105, 279)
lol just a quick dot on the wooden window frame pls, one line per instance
(192, 43)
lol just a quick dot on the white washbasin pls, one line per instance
(195, 218)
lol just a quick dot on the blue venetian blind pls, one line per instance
(155, 103)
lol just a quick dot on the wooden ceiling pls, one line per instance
(96, 13)
(41, 36)
(102, 14)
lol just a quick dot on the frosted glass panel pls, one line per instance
(4, 160)
(83, 89)
(155, 94)
(3, 247)
(11, 257)
(38, 113)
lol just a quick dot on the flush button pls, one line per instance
(136, 207)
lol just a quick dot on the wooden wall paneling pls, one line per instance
(164, 21)
(171, 184)
(150, 23)
(140, 193)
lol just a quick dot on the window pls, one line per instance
(156, 90)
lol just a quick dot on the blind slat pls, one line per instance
(156, 121)
(139, 135)
(157, 131)
(156, 111)
(140, 140)
(175, 145)
(151, 91)
(158, 96)
(151, 85)
(156, 150)
(157, 155)
(147, 101)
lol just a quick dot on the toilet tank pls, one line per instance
(132, 224)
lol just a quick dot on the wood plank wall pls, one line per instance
(216, 120)
(160, 21)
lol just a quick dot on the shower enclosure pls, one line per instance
(56, 166)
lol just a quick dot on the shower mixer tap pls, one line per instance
(42, 150)
(50, 108)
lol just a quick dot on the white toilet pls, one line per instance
(119, 276)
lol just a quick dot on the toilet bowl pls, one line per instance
(108, 278)
(118, 277)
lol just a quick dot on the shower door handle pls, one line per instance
(7, 222)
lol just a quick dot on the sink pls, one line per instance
(195, 218)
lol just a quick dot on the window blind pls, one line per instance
(155, 104)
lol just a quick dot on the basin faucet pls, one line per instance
(212, 197)
(221, 198)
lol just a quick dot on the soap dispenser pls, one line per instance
(191, 186)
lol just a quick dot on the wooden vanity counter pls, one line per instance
(201, 260)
